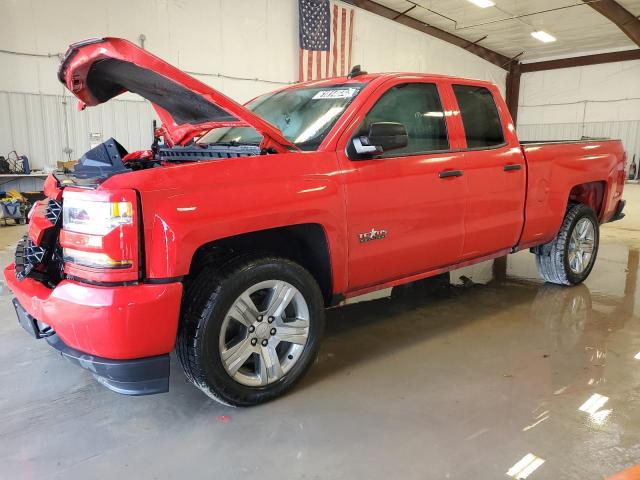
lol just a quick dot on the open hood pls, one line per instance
(99, 69)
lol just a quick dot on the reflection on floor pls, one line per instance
(486, 373)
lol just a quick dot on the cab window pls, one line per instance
(417, 106)
(482, 125)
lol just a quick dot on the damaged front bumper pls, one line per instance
(121, 333)
(140, 376)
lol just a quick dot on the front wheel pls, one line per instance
(250, 329)
(569, 258)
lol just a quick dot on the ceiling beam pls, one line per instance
(619, 15)
(610, 57)
(482, 52)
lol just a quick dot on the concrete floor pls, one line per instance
(463, 383)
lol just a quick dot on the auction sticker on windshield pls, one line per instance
(335, 93)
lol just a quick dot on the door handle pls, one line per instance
(450, 173)
(512, 166)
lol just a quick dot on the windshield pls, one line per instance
(303, 115)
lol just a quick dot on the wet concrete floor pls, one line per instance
(494, 376)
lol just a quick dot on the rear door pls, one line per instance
(404, 217)
(494, 168)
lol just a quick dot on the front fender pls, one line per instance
(183, 224)
(215, 200)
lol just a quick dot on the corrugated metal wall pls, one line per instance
(627, 131)
(46, 127)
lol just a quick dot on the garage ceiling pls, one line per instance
(579, 29)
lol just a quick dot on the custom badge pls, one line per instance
(372, 235)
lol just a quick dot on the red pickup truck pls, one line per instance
(228, 238)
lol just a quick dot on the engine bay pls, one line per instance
(111, 158)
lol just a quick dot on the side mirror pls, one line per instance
(382, 137)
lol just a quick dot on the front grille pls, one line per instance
(27, 257)
(42, 262)
(53, 211)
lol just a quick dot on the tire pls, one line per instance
(553, 258)
(207, 318)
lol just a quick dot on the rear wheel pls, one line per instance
(251, 329)
(569, 258)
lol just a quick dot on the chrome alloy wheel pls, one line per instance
(581, 244)
(264, 333)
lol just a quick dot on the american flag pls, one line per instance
(326, 38)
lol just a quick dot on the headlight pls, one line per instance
(100, 235)
(96, 218)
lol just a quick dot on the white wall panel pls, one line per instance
(594, 93)
(43, 126)
(616, 81)
(627, 131)
(593, 101)
(381, 45)
(241, 38)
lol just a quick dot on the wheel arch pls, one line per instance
(306, 244)
(592, 194)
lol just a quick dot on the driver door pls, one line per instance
(405, 208)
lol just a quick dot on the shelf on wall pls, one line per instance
(22, 175)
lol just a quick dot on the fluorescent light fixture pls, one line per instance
(525, 466)
(543, 36)
(482, 3)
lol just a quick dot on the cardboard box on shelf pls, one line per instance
(66, 165)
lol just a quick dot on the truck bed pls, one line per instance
(555, 169)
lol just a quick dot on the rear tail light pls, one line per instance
(622, 175)
(99, 236)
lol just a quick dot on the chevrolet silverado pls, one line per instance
(228, 238)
